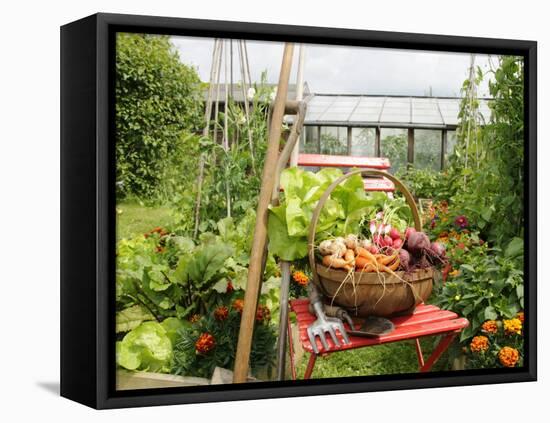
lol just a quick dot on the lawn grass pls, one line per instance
(134, 218)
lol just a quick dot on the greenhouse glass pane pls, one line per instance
(309, 142)
(449, 109)
(393, 145)
(334, 140)
(427, 149)
(363, 142)
(451, 143)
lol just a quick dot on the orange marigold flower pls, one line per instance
(508, 356)
(512, 326)
(521, 316)
(195, 318)
(238, 305)
(479, 344)
(263, 313)
(490, 326)
(221, 313)
(454, 273)
(205, 343)
(300, 278)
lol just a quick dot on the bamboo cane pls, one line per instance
(259, 241)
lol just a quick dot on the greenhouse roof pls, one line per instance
(386, 111)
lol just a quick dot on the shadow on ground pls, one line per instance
(51, 387)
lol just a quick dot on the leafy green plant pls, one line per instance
(394, 147)
(158, 104)
(231, 181)
(489, 285)
(197, 273)
(147, 347)
(425, 183)
(162, 274)
(487, 167)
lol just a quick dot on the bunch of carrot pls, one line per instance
(350, 254)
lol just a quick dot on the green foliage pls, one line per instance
(131, 317)
(394, 147)
(142, 277)
(424, 183)
(225, 332)
(158, 105)
(489, 285)
(331, 144)
(197, 273)
(165, 275)
(232, 175)
(427, 149)
(487, 167)
(147, 347)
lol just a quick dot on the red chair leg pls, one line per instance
(439, 350)
(310, 365)
(291, 349)
(419, 353)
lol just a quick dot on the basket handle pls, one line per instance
(316, 213)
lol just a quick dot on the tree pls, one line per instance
(158, 103)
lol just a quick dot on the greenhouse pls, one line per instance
(415, 130)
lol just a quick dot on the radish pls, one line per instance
(397, 243)
(377, 238)
(373, 249)
(388, 242)
(394, 233)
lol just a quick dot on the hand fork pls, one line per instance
(323, 324)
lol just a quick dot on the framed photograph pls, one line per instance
(259, 211)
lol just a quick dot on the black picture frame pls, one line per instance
(88, 208)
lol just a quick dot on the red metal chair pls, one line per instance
(371, 184)
(427, 320)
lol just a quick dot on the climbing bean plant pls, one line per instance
(487, 166)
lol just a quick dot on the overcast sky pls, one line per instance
(358, 70)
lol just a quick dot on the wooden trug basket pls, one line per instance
(370, 294)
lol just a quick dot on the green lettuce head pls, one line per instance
(146, 347)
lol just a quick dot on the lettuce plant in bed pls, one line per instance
(146, 347)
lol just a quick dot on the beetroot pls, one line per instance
(437, 249)
(418, 243)
(394, 234)
(409, 231)
(405, 259)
